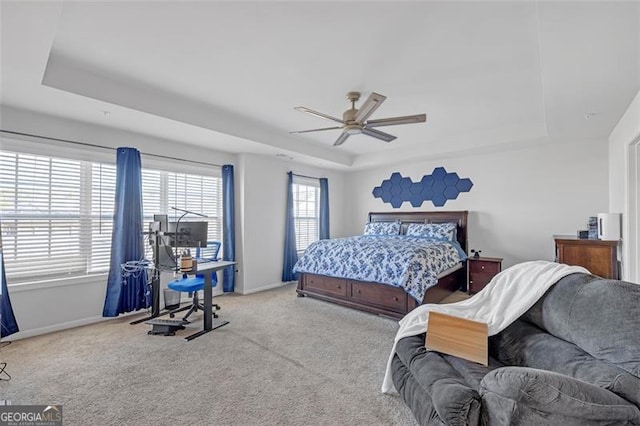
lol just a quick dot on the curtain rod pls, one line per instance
(104, 147)
(304, 176)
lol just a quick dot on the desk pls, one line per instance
(206, 268)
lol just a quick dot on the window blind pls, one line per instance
(97, 240)
(42, 215)
(306, 213)
(154, 201)
(200, 194)
(59, 212)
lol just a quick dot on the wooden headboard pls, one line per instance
(405, 218)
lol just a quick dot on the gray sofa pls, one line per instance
(572, 359)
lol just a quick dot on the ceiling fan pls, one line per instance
(355, 121)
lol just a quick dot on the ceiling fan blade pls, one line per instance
(378, 134)
(315, 130)
(343, 137)
(369, 106)
(318, 114)
(407, 119)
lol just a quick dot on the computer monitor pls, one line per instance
(189, 234)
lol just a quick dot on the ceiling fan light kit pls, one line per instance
(352, 129)
(355, 121)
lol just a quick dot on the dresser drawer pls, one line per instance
(479, 266)
(481, 271)
(321, 284)
(381, 295)
(478, 281)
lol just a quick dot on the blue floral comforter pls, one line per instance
(412, 263)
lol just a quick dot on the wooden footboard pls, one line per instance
(373, 297)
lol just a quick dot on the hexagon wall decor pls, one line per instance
(438, 187)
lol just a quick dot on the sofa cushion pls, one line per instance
(600, 316)
(472, 372)
(453, 400)
(526, 345)
(413, 395)
(527, 396)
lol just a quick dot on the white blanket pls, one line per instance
(509, 295)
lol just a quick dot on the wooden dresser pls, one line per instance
(481, 271)
(600, 257)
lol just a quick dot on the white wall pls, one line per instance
(40, 124)
(519, 200)
(57, 305)
(624, 188)
(262, 221)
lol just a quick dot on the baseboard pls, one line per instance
(263, 288)
(64, 326)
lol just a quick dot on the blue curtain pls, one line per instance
(9, 324)
(126, 294)
(290, 251)
(324, 209)
(228, 228)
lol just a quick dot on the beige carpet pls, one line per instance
(282, 360)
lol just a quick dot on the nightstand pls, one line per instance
(481, 270)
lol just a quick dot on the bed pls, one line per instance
(384, 298)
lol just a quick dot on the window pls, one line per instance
(196, 193)
(306, 202)
(59, 212)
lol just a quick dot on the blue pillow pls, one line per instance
(443, 231)
(382, 228)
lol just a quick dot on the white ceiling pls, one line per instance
(226, 75)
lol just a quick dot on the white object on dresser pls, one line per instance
(609, 226)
